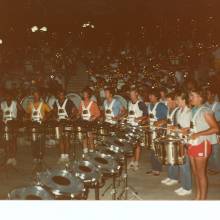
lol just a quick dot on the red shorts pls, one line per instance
(202, 150)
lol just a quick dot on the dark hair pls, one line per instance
(61, 91)
(163, 89)
(183, 95)
(171, 95)
(155, 92)
(88, 91)
(110, 89)
(201, 93)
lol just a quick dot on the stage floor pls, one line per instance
(148, 187)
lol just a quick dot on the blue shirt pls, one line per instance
(161, 111)
(216, 110)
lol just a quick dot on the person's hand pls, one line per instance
(171, 127)
(115, 118)
(137, 120)
(194, 136)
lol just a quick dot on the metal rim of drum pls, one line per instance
(86, 171)
(61, 183)
(30, 193)
(106, 163)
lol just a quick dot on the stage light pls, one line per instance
(43, 29)
(1, 41)
(34, 29)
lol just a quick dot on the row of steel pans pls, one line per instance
(77, 178)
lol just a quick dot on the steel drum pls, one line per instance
(170, 150)
(30, 193)
(62, 184)
(105, 129)
(9, 130)
(87, 172)
(107, 164)
(119, 146)
(80, 129)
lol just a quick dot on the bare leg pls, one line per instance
(193, 165)
(62, 147)
(137, 153)
(201, 169)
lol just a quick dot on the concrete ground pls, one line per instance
(148, 187)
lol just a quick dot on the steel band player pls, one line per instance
(89, 112)
(157, 113)
(214, 105)
(38, 111)
(64, 110)
(204, 129)
(11, 111)
(113, 108)
(137, 113)
(180, 125)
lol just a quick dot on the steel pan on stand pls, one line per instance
(89, 174)
(30, 193)
(62, 184)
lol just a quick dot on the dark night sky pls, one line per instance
(20, 13)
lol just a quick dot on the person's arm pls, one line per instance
(213, 126)
(161, 115)
(144, 109)
(47, 112)
(95, 111)
(122, 111)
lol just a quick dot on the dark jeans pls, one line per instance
(155, 163)
(38, 147)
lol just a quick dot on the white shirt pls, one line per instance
(183, 117)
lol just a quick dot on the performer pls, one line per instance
(180, 125)
(204, 129)
(137, 113)
(157, 113)
(114, 110)
(89, 112)
(214, 106)
(64, 110)
(38, 111)
(11, 111)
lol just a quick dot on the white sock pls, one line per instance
(66, 156)
(62, 156)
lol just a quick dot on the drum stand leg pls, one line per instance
(77, 149)
(40, 164)
(127, 188)
(112, 186)
(97, 191)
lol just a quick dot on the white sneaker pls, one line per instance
(13, 162)
(131, 165)
(171, 182)
(178, 190)
(9, 161)
(85, 150)
(164, 181)
(136, 166)
(184, 192)
(66, 158)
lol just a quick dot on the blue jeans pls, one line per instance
(181, 173)
(214, 160)
(156, 165)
